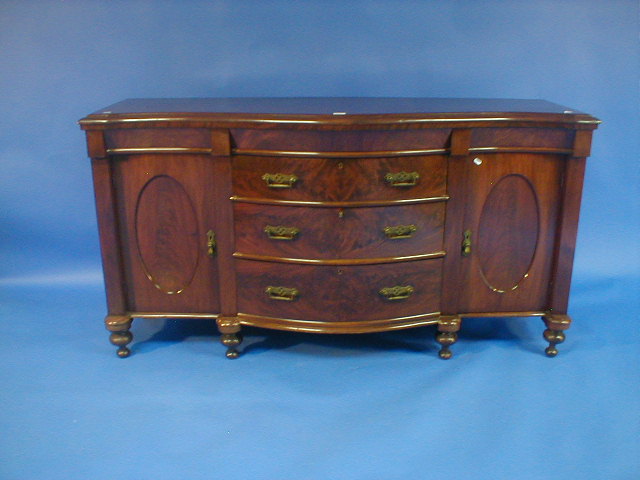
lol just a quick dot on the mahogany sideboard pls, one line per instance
(337, 215)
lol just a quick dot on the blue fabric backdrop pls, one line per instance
(300, 406)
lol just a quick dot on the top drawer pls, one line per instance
(339, 179)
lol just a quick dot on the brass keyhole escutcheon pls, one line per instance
(340, 165)
(211, 243)
(466, 243)
(341, 213)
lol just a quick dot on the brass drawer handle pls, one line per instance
(279, 232)
(397, 293)
(400, 231)
(282, 293)
(402, 179)
(279, 180)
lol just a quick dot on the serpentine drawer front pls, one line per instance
(339, 179)
(334, 233)
(356, 294)
(337, 215)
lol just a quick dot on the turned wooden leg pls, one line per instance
(448, 327)
(554, 334)
(231, 337)
(119, 326)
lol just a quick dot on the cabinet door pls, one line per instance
(166, 209)
(510, 215)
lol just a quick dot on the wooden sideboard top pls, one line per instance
(337, 110)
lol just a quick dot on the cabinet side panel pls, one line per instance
(110, 247)
(567, 233)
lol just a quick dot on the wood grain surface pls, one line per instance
(339, 294)
(502, 177)
(339, 179)
(166, 210)
(326, 233)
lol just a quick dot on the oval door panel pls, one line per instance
(508, 233)
(167, 234)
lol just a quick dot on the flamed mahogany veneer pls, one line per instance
(337, 215)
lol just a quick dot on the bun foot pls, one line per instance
(231, 341)
(446, 339)
(448, 327)
(554, 337)
(556, 324)
(445, 354)
(230, 337)
(120, 335)
(121, 339)
(123, 352)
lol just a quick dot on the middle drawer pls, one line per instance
(321, 233)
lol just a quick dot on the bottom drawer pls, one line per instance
(339, 294)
